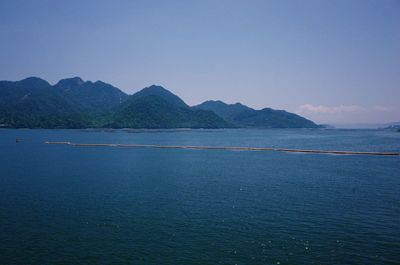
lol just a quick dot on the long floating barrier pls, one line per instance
(229, 148)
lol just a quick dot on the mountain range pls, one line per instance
(244, 116)
(74, 103)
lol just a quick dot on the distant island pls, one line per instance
(394, 126)
(74, 103)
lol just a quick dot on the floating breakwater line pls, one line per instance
(237, 148)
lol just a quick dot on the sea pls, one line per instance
(62, 204)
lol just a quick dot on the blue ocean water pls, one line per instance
(100, 205)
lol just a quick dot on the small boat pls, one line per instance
(17, 140)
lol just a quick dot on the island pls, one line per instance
(74, 103)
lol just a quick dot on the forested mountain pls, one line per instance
(71, 103)
(89, 96)
(156, 107)
(74, 103)
(243, 116)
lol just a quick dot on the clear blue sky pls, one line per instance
(332, 61)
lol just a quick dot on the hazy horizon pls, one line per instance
(333, 62)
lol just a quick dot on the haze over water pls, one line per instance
(69, 205)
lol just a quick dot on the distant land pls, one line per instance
(74, 103)
(394, 126)
(391, 125)
(244, 116)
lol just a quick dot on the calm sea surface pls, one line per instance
(88, 205)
